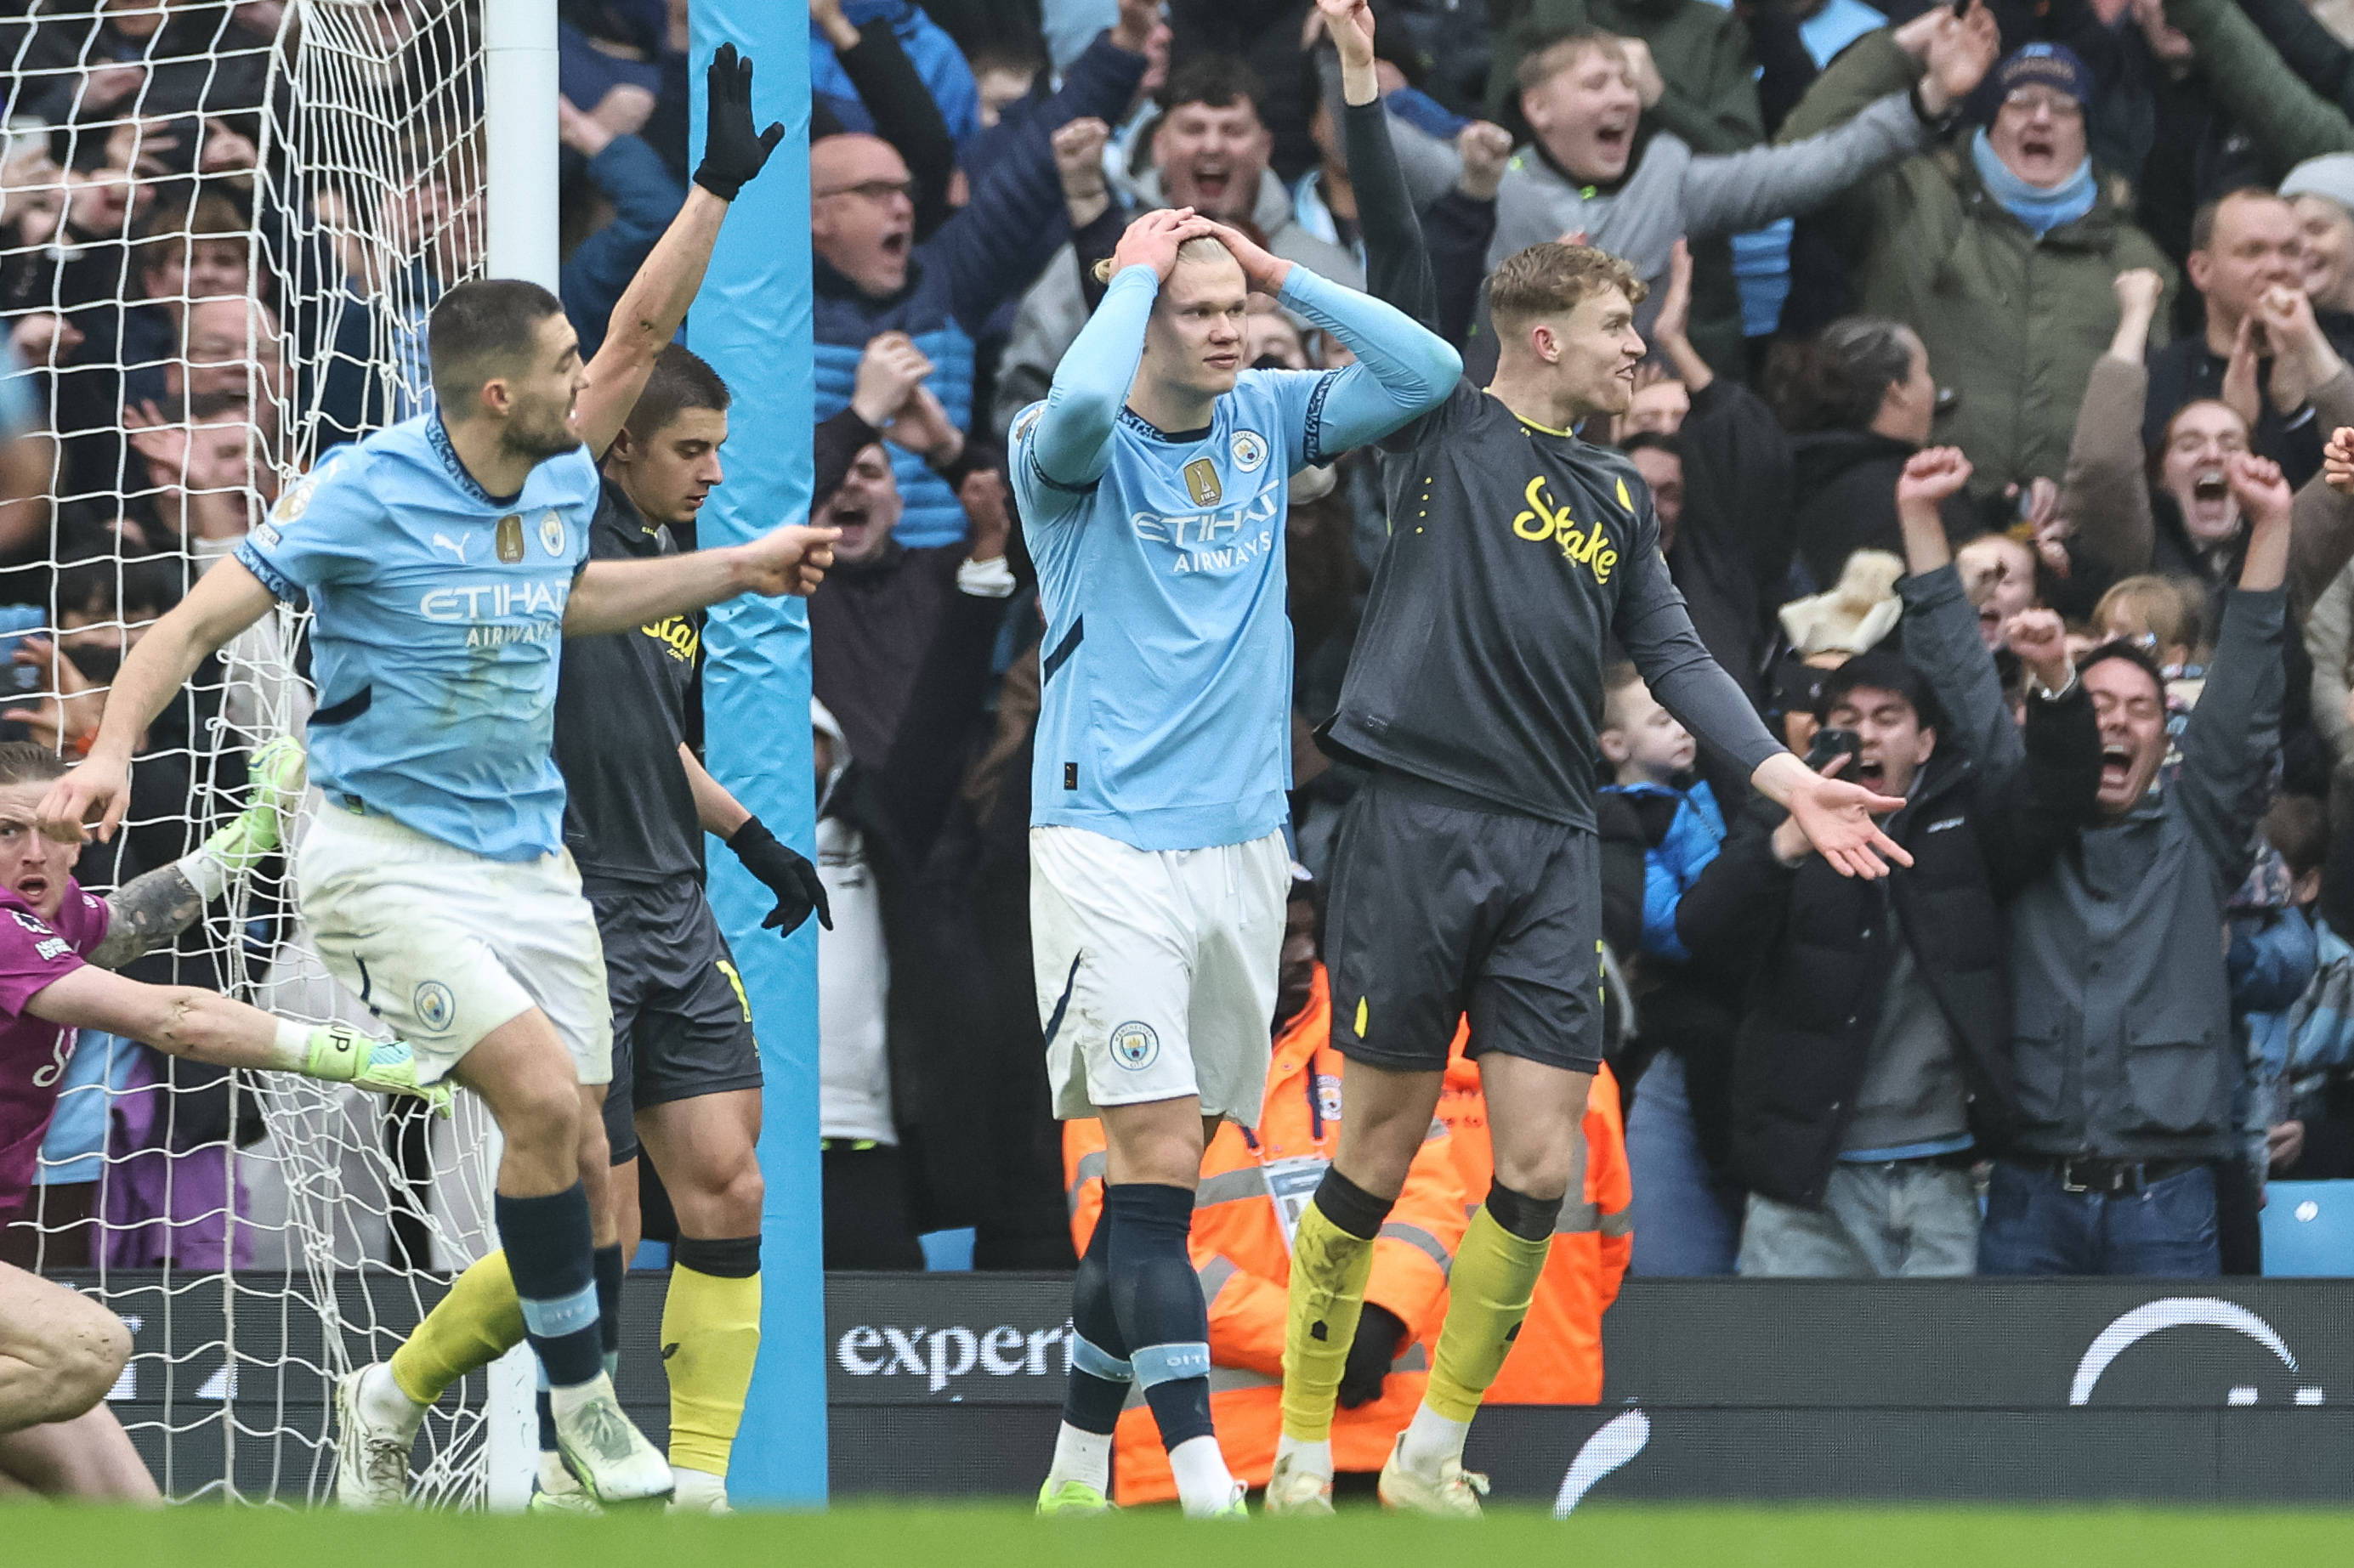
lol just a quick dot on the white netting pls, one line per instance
(221, 226)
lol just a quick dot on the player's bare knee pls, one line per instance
(739, 1198)
(88, 1354)
(1537, 1169)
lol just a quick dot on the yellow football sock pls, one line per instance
(1329, 1270)
(480, 1320)
(1488, 1296)
(710, 1336)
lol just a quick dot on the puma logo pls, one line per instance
(455, 546)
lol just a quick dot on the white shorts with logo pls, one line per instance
(1156, 970)
(445, 946)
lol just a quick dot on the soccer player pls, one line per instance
(1154, 482)
(60, 1350)
(1466, 874)
(686, 1071)
(444, 558)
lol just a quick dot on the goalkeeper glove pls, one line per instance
(277, 781)
(339, 1053)
(789, 876)
(732, 151)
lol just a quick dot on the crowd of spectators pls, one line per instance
(1996, 357)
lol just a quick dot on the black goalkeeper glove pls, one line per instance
(732, 151)
(791, 878)
(1370, 1355)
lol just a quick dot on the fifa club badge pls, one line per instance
(510, 538)
(1202, 483)
(551, 532)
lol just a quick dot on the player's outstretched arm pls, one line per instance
(650, 310)
(616, 595)
(149, 911)
(784, 873)
(204, 1026)
(1397, 262)
(225, 601)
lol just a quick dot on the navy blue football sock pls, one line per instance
(1158, 1301)
(607, 1263)
(1100, 1375)
(549, 1253)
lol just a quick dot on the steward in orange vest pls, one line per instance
(1557, 1359)
(1253, 1189)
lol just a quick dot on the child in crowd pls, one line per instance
(1652, 754)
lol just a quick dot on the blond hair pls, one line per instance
(1198, 248)
(1560, 51)
(1620, 681)
(1552, 279)
(2166, 614)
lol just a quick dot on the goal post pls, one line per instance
(523, 224)
(752, 322)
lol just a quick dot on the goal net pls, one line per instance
(221, 228)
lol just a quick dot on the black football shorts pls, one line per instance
(1443, 905)
(682, 1023)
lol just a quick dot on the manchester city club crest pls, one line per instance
(434, 1005)
(1134, 1045)
(1248, 449)
(509, 538)
(551, 532)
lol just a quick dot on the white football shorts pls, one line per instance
(445, 946)
(1156, 970)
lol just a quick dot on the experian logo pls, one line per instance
(941, 1355)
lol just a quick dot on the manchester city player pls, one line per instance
(443, 559)
(1466, 877)
(686, 1070)
(1154, 481)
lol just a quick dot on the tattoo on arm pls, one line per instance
(144, 914)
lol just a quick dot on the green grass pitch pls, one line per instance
(871, 1537)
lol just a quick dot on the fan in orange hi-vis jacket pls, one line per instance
(1252, 1190)
(1557, 1359)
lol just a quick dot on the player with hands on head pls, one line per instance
(1466, 878)
(60, 1351)
(444, 560)
(1154, 483)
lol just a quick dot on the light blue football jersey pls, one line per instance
(439, 619)
(1165, 719)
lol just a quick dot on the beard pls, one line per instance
(540, 437)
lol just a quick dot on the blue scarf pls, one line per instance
(2041, 210)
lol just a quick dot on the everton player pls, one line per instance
(60, 1350)
(1465, 877)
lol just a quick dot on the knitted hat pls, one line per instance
(1855, 615)
(2330, 175)
(2048, 65)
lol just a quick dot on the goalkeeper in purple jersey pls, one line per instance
(60, 1350)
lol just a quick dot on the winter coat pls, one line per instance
(1823, 948)
(2012, 322)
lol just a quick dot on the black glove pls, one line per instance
(732, 151)
(1370, 1355)
(792, 879)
